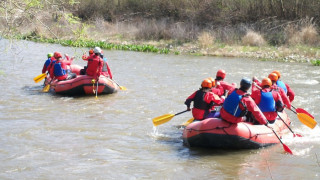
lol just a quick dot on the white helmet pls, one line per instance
(97, 50)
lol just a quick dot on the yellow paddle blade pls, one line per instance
(39, 77)
(46, 88)
(307, 120)
(188, 122)
(123, 88)
(162, 119)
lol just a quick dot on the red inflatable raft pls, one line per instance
(82, 85)
(218, 133)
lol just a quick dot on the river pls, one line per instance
(46, 136)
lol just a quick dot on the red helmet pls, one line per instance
(266, 82)
(221, 73)
(91, 51)
(273, 77)
(277, 72)
(57, 55)
(206, 83)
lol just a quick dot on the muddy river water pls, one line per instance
(45, 136)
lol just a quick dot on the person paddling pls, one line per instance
(203, 101)
(95, 64)
(47, 62)
(220, 76)
(59, 70)
(106, 71)
(268, 100)
(85, 58)
(239, 106)
(289, 92)
(284, 97)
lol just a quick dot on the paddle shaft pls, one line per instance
(276, 135)
(293, 111)
(97, 88)
(293, 107)
(285, 147)
(181, 112)
(121, 87)
(117, 84)
(294, 134)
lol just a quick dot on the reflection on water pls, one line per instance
(46, 136)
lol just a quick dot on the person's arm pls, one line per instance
(255, 110)
(216, 99)
(290, 93)
(44, 69)
(278, 101)
(284, 98)
(227, 86)
(189, 100)
(85, 57)
(100, 66)
(256, 95)
(109, 70)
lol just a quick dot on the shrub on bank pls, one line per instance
(205, 39)
(316, 62)
(253, 39)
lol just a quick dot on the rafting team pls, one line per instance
(58, 67)
(217, 98)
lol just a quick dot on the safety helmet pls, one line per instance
(221, 73)
(91, 51)
(273, 77)
(213, 81)
(266, 82)
(97, 50)
(245, 83)
(206, 83)
(57, 55)
(50, 55)
(277, 72)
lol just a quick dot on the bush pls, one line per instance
(205, 39)
(316, 62)
(253, 39)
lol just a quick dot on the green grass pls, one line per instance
(91, 44)
(316, 62)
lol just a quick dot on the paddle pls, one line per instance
(294, 134)
(300, 110)
(97, 89)
(165, 118)
(185, 123)
(285, 147)
(39, 77)
(47, 87)
(188, 122)
(306, 119)
(121, 87)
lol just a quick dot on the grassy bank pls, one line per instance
(94, 43)
(210, 28)
(299, 53)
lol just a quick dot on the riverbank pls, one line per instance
(301, 54)
(189, 30)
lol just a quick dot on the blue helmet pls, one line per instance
(245, 83)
